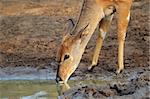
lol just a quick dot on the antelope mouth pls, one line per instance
(59, 80)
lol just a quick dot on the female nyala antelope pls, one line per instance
(93, 13)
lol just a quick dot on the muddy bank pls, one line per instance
(30, 36)
(111, 89)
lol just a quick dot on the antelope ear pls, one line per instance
(68, 27)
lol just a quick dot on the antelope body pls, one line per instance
(93, 13)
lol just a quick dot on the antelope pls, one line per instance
(93, 13)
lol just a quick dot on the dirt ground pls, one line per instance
(31, 31)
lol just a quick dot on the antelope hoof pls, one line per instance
(119, 71)
(90, 68)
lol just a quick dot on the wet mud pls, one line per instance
(31, 31)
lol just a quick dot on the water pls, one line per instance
(48, 89)
(28, 90)
(38, 89)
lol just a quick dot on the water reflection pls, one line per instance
(61, 88)
(40, 89)
(32, 90)
(28, 90)
(41, 94)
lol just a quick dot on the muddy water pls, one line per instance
(28, 90)
(75, 89)
(39, 89)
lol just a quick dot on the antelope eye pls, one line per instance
(66, 57)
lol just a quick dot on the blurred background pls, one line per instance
(31, 32)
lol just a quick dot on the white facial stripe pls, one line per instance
(66, 79)
(128, 17)
(102, 33)
(71, 58)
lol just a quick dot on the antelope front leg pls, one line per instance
(103, 28)
(123, 19)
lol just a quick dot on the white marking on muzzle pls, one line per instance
(128, 17)
(102, 33)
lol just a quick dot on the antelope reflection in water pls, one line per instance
(61, 89)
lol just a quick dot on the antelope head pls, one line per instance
(69, 54)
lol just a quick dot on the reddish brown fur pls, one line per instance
(72, 44)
